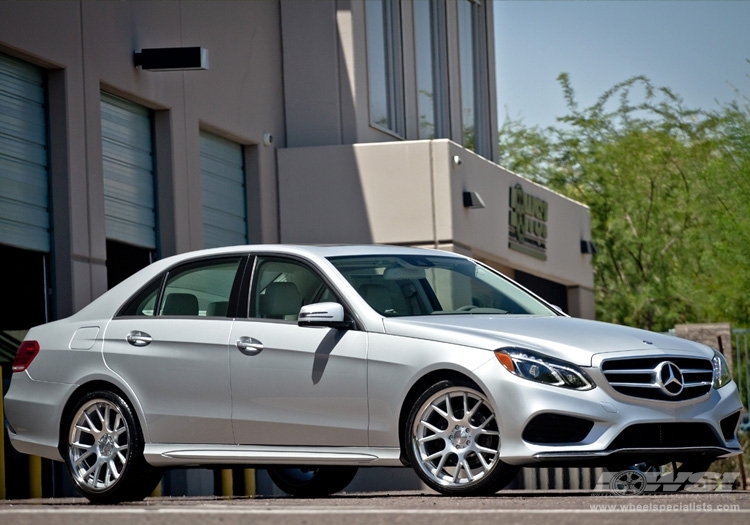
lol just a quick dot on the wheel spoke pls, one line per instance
(437, 454)
(431, 427)
(485, 465)
(449, 408)
(91, 426)
(431, 437)
(102, 418)
(440, 466)
(122, 457)
(436, 408)
(485, 450)
(114, 473)
(92, 471)
(117, 429)
(486, 421)
(88, 452)
(467, 468)
(473, 410)
(457, 472)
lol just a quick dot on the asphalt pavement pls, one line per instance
(414, 508)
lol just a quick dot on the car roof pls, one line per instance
(321, 250)
(110, 301)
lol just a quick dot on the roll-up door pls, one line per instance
(223, 192)
(127, 153)
(24, 186)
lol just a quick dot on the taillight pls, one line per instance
(25, 355)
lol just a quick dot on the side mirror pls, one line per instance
(559, 310)
(323, 314)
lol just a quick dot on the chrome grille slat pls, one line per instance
(687, 384)
(638, 377)
(635, 385)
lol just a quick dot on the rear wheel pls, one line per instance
(453, 441)
(103, 451)
(312, 482)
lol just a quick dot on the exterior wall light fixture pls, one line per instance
(588, 247)
(171, 58)
(472, 200)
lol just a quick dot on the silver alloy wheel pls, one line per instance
(98, 445)
(456, 437)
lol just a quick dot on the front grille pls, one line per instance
(640, 377)
(557, 429)
(665, 435)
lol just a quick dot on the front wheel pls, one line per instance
(312, 482)
(103, 451)
(452, 441)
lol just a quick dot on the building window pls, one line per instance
(384, 65)
(475, 105)
(432, 66)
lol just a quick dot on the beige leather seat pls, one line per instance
(280, 301)
(180, 304)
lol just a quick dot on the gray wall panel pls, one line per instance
(127, 158)
(222, 191)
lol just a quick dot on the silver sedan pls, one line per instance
(313, 362)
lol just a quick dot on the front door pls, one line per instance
(295, 385)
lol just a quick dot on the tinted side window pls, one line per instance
(200, 289)
(144, 302)
(282, 287)
(197, 289)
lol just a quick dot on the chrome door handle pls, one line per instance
(249, 346)
(138, 338)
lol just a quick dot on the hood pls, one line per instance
(573, 340)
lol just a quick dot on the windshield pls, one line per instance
(411, 285)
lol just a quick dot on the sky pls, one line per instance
(697, 48)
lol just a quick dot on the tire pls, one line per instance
(103, 451)
(452, 441)
(312, 482)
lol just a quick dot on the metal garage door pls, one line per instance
(24, 193)
(223, 192)
(127, 153)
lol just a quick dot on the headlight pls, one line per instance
(542, 369)
(721, 370)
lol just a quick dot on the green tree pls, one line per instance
(669, 194)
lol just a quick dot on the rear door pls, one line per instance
(170, 345)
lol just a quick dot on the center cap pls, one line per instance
(106, 445)
(460, 437)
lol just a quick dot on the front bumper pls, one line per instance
(623, 429)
